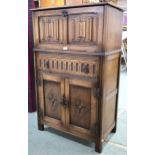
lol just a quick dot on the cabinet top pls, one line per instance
(78, 6)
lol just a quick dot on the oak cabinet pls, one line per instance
(77, 60)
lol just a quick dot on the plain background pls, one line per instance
(14, 77)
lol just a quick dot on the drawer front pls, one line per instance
(69, 29)
(73, 65)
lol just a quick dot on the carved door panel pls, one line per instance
(81, 113)
(51, 92)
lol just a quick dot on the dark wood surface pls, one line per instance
(77, 61)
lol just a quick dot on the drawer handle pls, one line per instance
(85, 68)
(47, 64)
(64, 13)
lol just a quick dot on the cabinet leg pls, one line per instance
(41, 127)
(98, 147)
(114, 129)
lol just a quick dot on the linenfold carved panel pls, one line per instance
(83, 28)
(52, 29)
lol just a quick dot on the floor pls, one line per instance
(51, 142)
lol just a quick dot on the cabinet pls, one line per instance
(77, 59)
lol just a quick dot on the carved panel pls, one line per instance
(83, 28)
(70, 65)
(52, 29)
(80, 105)
(52, 99)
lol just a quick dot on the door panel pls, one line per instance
(82, 109)
(51, 92)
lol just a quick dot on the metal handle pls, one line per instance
(47, 64)
(85, 68)
(64, 13)
(64, 102)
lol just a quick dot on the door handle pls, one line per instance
(47, 64)
(64, 102)
(85, 68)
(64, 13)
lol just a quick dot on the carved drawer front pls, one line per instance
(69, 65)
(52, 29)
(82, 112)
(51, 92)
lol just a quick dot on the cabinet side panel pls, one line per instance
(110, 93)
(112, 30)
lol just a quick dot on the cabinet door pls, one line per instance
(81, 113)
(51, 92)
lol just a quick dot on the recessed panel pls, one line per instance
(52, 98)
(80, 106)
(52, 29)
(83, 29)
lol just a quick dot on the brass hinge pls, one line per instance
(97, 92)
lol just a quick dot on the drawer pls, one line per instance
(74, 29)
(73, 65)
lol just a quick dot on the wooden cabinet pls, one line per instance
(77, 59)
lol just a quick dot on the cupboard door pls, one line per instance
(81, 113)
(51, 92)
